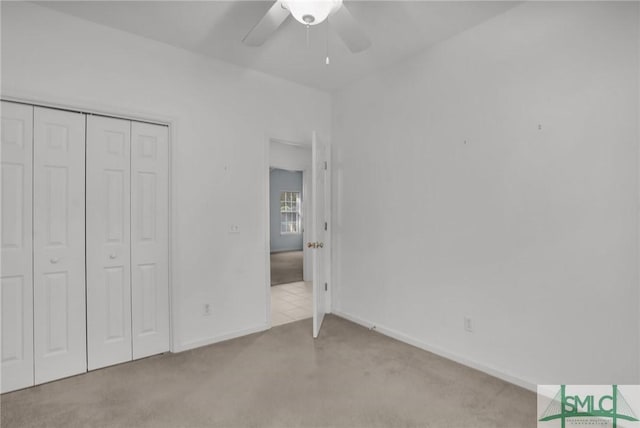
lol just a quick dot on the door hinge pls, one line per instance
(325, 165)
(326, 287)
(325, 225)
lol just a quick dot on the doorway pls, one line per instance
(291, 296)
(289, 206)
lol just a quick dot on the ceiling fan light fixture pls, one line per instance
(312, 12)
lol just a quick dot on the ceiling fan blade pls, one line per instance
(269, 23)
(349, 30)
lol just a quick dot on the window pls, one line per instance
(290, 218)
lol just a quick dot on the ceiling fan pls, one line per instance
(310, 12)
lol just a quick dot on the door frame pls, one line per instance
(307, 207)
(306, 221)
(99, 109)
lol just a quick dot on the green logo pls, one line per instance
(589, 406)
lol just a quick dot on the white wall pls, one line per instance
(533, 233)
(222, 117)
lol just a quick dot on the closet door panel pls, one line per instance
(108, 241)
(59, 244)
(16, 282)
(149, 236)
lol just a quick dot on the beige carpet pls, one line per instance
(348, 377)
(286, 267)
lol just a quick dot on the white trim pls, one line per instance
(174, 296)
(267, 229)
(507, 377)
(328, 233)
(638, 204)
(307, 258)
(221, 338)
(92, 109)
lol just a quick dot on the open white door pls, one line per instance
(319, 236)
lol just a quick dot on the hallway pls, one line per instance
(286, 267)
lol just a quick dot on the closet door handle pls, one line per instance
(54, 260)
(112, 256)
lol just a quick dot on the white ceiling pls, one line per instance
(398, 29)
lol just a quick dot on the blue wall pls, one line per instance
(282, 181)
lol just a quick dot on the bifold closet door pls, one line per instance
(108, 241)
(60, 346)
(149, 238)
(127, 240)
(16, 252)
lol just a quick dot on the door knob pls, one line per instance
(312, 245)
(54, 260)
(112, 256)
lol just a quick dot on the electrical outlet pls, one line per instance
(468, 326)
(206, 309)
(234, 228)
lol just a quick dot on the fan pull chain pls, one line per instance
(307, 36)
(326, 61)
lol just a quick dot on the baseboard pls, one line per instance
(507, 377)
(220, 338)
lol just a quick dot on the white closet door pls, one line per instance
(58, 244)
(16, 242)
(108, 241)
(149, 236)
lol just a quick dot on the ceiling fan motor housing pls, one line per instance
(312, 12)
(308, 13)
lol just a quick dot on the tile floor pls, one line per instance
(291, 302)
